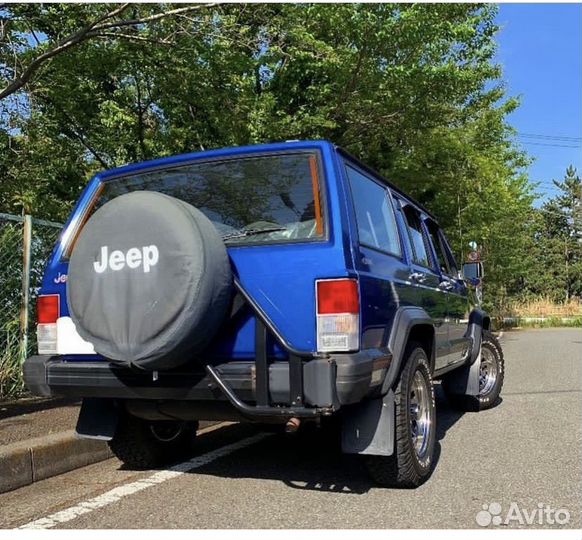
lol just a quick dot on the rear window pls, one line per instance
(274, 198)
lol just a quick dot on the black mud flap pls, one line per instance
(98, 419)
(464, 381)
(368, 428)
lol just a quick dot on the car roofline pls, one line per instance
(226, 152)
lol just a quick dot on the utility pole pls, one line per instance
(25, 298)
(460, 228)
(567, 270)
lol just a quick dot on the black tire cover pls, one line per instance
(149, 280)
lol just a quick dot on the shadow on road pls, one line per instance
(447, 417)
(306, 461)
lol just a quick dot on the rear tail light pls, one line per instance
(338, 315)
(47, 310)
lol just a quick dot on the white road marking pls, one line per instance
(119, 492)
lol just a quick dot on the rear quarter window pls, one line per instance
(374, 213)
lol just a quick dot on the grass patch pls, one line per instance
(11, 356)
(539, 313)
(545, 322)
(544, 308)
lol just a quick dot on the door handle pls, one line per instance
(446, 285)
(419, 277)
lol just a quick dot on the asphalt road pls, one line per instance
(526, 451)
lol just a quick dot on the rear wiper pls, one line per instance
(252, 232)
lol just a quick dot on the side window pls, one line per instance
(374, 213)
(435, 239)
(420, 255)
(453, 267)
(401, 219)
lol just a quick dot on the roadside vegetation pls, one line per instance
(540, 322)
(544, 308)
(11, 384)
(542, 312)
(412, 90)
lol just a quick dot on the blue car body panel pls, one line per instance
(281, 277)
(287, 296)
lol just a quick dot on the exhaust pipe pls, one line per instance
(292, 425)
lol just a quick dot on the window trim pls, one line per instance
(445, 248)
(425, 239)
(428, 223)
(74, 229)
(408, 248)
(389, 200)
(449, 253)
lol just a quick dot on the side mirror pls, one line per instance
(473, 271)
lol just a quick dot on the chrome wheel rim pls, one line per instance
(420, 420)
(166, 433)
(487, 372)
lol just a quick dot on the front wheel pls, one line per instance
(491, 376)
(412, 461)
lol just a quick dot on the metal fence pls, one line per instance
(25, 246)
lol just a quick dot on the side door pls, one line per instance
(455, 291)
(378, 255)
(425, 281)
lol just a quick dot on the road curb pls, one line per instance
(25, 462)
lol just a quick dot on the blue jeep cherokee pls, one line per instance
(283, 283)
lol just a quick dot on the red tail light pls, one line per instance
(47, 309)
(338, 315)
(337, 296)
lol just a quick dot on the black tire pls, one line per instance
(488, 397)
(407, 467)
(141, 444)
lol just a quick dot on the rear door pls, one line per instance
(378, 255)
(425, 281)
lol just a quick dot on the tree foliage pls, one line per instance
(411, 89)
(556, 245)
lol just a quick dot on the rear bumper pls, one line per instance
(327, 382)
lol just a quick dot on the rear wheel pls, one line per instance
(412, 461)
(143, 444)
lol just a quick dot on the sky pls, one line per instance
(540, 49)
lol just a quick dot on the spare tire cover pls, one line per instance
(149, 280)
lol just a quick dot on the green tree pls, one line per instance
(411, 89)
(557, 252)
